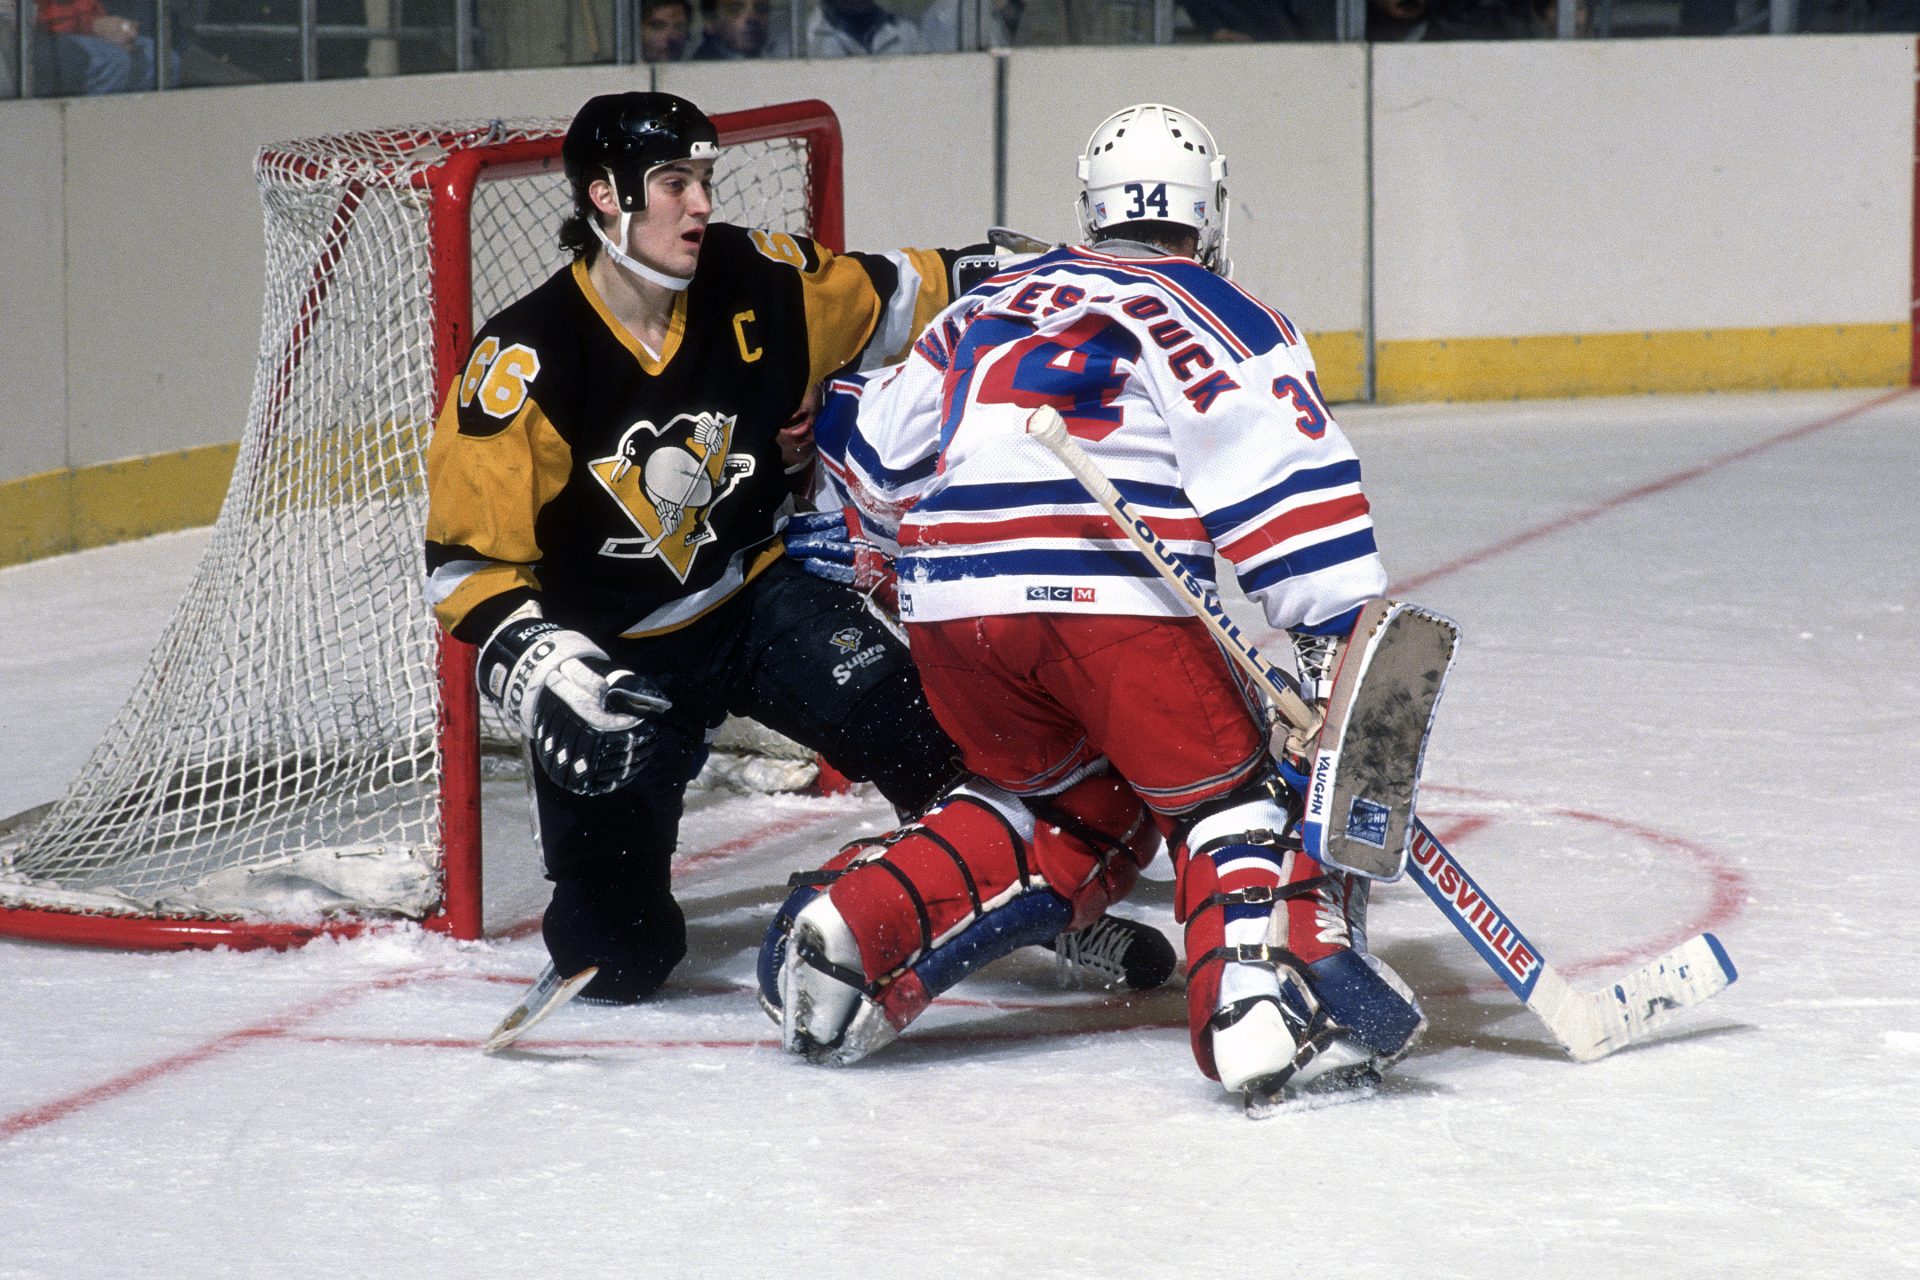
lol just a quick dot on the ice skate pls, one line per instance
(1114, 952)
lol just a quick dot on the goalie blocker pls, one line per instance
(1365, 771)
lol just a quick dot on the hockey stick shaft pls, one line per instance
(1586, 1025)
(1046, 426)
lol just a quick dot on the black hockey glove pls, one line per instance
(588, 722)
(1004, 248)
(970, 266)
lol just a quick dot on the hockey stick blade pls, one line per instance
(1588, 1025)
(548, 993)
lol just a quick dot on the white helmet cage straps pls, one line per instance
(1155, 163)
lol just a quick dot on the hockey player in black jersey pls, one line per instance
(606, 496)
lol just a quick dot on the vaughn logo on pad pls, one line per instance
(1367, 822)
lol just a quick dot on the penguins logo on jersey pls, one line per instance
(668, 481)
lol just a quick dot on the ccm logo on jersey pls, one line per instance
(1072, 595)
(1502, 940)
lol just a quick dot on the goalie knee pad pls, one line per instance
(862, 947)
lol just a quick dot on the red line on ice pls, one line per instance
(1619, 500)
(1728, 892)
(275, 1027)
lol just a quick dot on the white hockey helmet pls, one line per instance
(1154, 163)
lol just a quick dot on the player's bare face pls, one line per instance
(679, 203)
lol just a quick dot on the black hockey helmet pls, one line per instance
(627, 136)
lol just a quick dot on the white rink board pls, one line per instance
(33, 325)
(918, 133)
(1594, 187)
(1291, 120)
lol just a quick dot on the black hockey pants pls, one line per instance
(801, 656)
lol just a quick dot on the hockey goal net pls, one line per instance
(302, 752)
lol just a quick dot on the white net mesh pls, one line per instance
(280, 754)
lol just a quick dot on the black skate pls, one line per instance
(1114, 951)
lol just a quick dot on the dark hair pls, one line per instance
(577, 238)
(1171, 236)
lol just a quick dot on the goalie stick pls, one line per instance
(1588, 1026)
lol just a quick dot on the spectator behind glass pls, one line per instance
(940, 24)
(664, 25)
(92, 51)
(1463, 19)
(852, 28)
(737, 29)
(193, 62)
(9, 48)
(1230, 21)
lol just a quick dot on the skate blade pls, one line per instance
(1297, 1087)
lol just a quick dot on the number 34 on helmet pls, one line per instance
(1154, 163)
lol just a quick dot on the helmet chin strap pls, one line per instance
(633, 264)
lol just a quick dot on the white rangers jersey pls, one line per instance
(1196, 399)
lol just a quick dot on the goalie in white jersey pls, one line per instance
(1094, 711)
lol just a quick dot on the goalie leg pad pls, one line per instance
(833, 1012)
(1091, 842)
(924, 882)
(910, 915)
(1224, 896)
(1277, 991)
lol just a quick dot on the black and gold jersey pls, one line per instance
(633, 491)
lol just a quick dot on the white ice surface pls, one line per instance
(1688, 698)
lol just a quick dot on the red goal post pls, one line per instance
(302, 754)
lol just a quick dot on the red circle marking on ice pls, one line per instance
(1727, 887)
